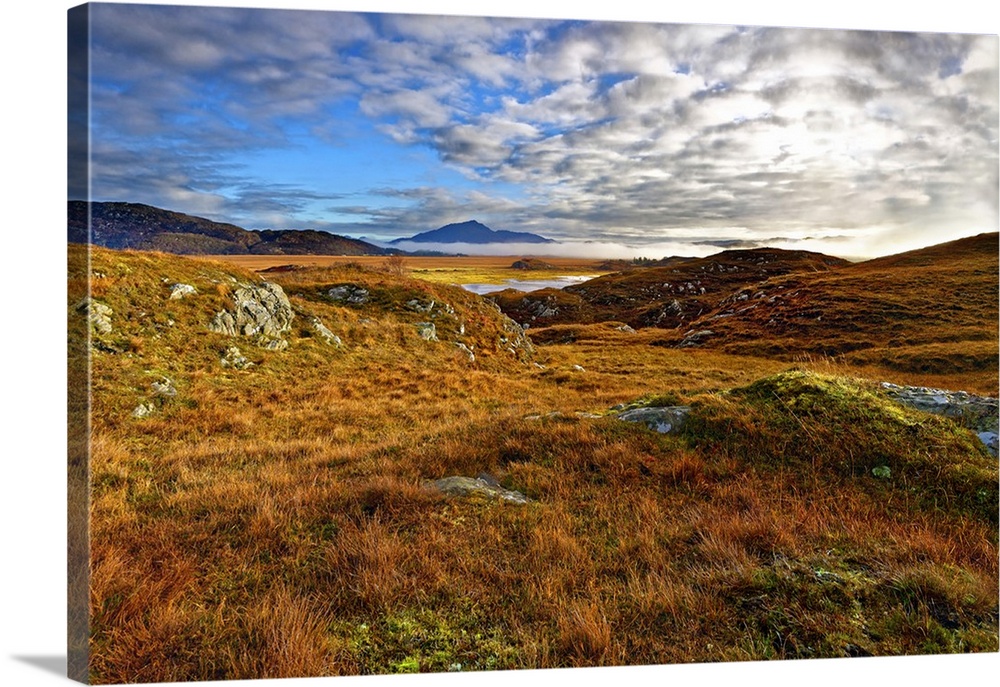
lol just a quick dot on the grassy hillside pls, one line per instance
(932, 312)
(144, 227)
(667, 296)
(277, 520)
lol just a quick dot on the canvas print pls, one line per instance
(408, 343)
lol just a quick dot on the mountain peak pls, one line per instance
(473, 231)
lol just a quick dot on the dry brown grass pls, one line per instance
(275, 521)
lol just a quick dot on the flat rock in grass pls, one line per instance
(165, 387)
(660, 419)
(978, 413)
(348, 293)
(143, 410)
(483, 486)
(695, 338)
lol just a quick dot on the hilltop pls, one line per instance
(144, 227)
(667, 297)
(473, 232)
(933, 309)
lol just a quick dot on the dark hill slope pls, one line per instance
(668, 297)
(144, 227)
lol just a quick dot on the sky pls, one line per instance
(615, 138)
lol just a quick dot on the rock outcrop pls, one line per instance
(321, 330)
(978, 413)
(261, 312)
(98, 315)
(179, 291)
(234, 358)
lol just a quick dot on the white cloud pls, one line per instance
(606, 128)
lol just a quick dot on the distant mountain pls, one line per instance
(473, 232)
(144, 227)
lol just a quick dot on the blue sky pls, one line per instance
(615, 138)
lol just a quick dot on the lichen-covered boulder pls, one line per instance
(478, 487)
(179, 291)
(427, 331)
(98, 315)
(660, 419)
(348, 293)
(261, 311)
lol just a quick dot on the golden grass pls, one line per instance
(275, 521)
(468, 269)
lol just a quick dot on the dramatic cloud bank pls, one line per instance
(654, 139)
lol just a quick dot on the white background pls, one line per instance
(32, 335)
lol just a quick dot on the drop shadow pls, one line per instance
(50, 663)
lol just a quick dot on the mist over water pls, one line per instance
(526, 284)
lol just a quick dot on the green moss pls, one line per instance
(426, 640)
(840, 428)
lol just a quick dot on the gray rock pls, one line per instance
(143, 410)
(468, 351)
(661, 419)
(695, 338)
(427, 331)
(625, 328)
(235, 359)
(223, 323)
(324, 333)
(261, 311)
(513, 339)
(420, 306)
(98, 315)
(577, 368)
(546, 416)
(348, 293)
(981, 414)
(478, 486)
(178, 291)
(992, 441)
(165, 388)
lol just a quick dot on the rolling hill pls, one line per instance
(933, 310)
(144, 227)
(667, 297)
